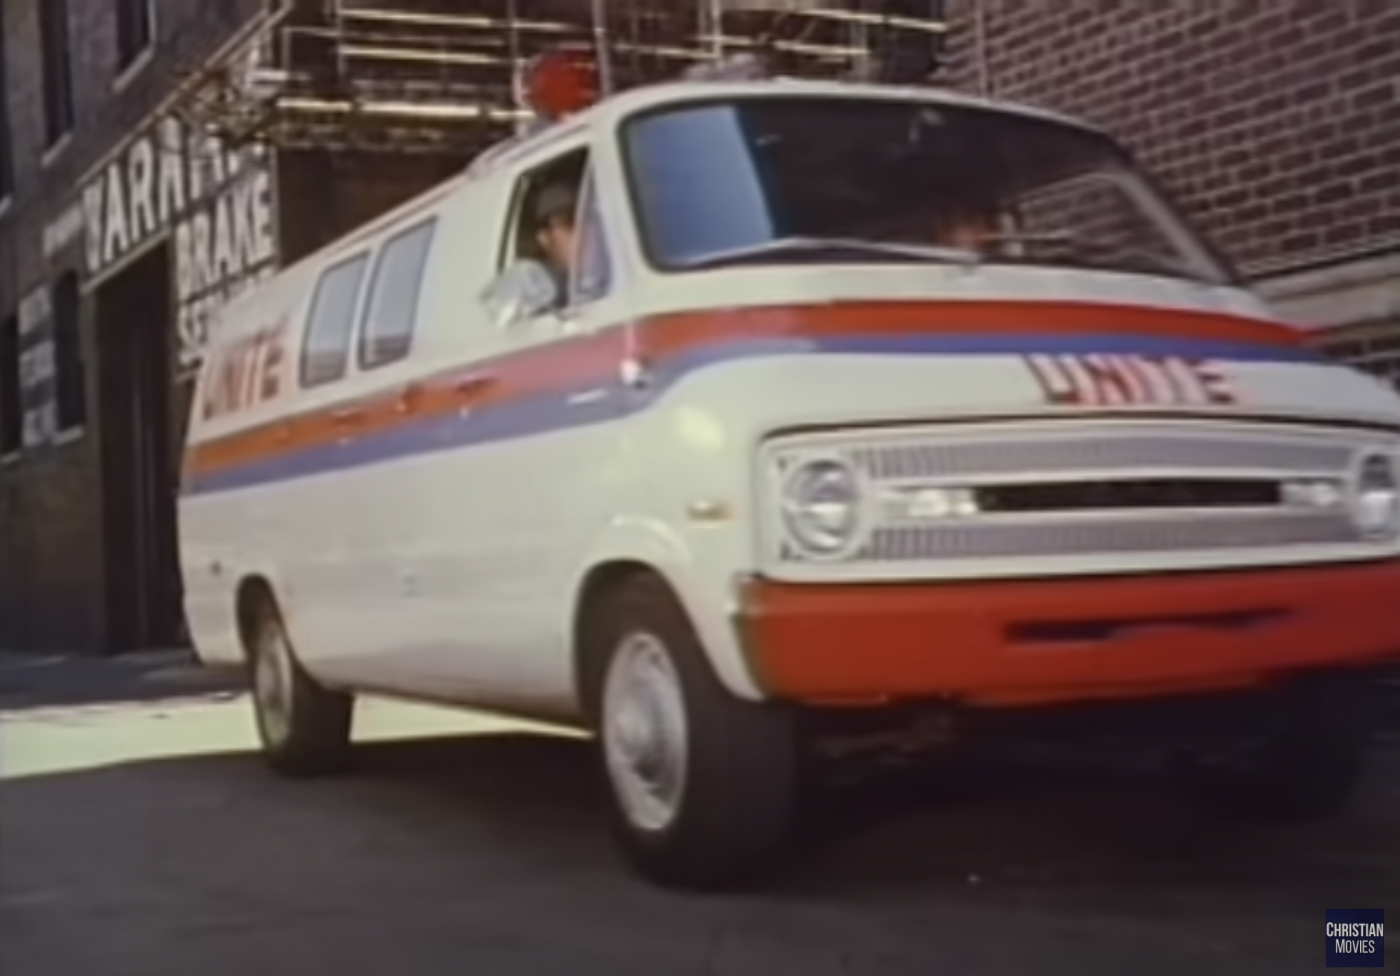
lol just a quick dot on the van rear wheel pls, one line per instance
(702, 785)
(303, 726)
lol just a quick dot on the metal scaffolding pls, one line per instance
(443, 75)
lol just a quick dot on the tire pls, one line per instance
(725, 814)
(1304, 764)
(304, 727)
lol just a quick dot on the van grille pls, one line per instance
(1043, 497)
(1135, 493)
(1102, 449)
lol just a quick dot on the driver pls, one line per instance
(550, 222)
(555, 235)
(969, 226)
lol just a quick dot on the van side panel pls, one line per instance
(248, 380)
(390, 583)
(371, 548)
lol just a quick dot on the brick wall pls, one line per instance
(325, 195)
(1275, 122)
(51, 579)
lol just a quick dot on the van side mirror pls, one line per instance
(520, 292)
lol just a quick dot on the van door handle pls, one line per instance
(473, 383)
(409, 396)
(347, 415)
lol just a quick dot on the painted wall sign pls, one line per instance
(37, 369)
(1144, 381)
(247, 373)
(217, 206)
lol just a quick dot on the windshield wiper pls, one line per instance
(834, 249)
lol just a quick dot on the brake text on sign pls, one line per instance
(1130, 380)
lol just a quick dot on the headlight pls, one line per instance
(1375, 502)
(822, 506)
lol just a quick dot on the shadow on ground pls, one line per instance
(29, 681)
(486, 853)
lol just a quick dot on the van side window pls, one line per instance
(542, 221)
(391, 306)
(331, 322)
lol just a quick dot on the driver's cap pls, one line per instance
(555, 202)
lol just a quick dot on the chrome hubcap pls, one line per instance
(644, 732)
(272, 688)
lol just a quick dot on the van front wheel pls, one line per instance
(1304, 763)
(702, 784)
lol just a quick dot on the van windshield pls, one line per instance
(810, 179)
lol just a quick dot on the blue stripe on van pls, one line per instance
(559, 411)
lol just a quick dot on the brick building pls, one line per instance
(1276, 123)
(162, 154)
(139, 188)
(78, 77)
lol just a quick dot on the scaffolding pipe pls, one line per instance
(712, 26)
(517, 69)
(984, 74)
(602, 48)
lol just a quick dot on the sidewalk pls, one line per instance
(33, 680)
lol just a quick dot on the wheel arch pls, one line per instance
(649, 547)
(255, 595)
(598, 581)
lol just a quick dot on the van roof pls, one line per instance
(647, 96)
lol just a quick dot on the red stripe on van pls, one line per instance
(576, 361)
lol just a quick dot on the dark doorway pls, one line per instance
(139, 457)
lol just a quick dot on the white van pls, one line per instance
(856, 403)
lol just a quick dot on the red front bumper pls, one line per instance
(1054, 641)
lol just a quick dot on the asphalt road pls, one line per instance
(144, 837)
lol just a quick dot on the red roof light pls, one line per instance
(561, 82)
